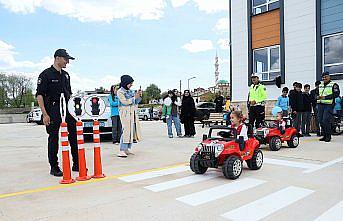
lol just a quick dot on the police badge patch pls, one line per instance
(39, 81)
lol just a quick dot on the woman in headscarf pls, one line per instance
(188, 113)
(116, 125)
(128, 102)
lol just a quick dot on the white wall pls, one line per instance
(239, 50)
(300, 42)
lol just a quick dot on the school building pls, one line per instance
(296, 39)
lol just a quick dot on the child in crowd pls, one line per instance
(307, 112)
(297, 104)
(283, 102)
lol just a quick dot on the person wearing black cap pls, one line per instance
(256, 102)
(328, 91)
(128, 102)
(51, 83)
(314, 94)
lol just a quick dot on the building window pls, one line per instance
(267, 62)
(260, 6)
(333, 53)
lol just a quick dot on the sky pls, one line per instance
(154, 41)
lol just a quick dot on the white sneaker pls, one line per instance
(127, 152)
(122, 154)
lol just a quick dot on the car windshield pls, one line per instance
(221, 134)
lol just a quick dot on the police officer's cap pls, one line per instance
(63, 53)
(254, 76)
(325, 73)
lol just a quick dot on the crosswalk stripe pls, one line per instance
(267, 205)
(335, 213)
(288, 163)
(218, 192)
(153, 174)
(324, 165)
(181, 182)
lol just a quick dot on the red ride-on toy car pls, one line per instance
(227, 151)
(274, 136)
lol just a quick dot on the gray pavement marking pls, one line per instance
(290, 163)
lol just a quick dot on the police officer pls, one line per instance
(51, 83)
(256, 102)
(328, 91)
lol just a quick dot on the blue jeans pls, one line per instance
(325, 117)
(177, 124)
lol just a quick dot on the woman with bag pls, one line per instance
(128, 102)
(188, 113)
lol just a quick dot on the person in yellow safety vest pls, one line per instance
(228, 104)
(256, 102)
(328, 91)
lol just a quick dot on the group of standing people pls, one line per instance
(323, 101)
(179, 111)
(54, 81)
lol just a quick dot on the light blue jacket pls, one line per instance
(283, 102)
(338, 105)
(114, 105)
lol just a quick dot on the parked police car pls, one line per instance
(35, 116)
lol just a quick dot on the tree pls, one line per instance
(208, 97)
(152, 92)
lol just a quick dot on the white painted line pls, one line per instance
(153, 174)
(181, 182)
(335, 213)
(290, 163)
(218, 192)
(267, 205)
(322, 166)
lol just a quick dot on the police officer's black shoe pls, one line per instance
(56, 171)
(328, 138)
(323, 138)
(75, 167)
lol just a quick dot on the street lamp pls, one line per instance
(189, 80)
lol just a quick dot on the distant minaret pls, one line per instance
(216, 65)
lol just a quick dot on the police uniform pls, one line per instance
(258, 94)
(329, 91)
(51, 83)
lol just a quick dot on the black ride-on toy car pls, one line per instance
(227, 151)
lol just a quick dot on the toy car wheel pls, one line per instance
(293, 142)
(255, 163)
(196, 166)
(275, 143)
(232, 167)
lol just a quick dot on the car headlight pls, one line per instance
(220, 148)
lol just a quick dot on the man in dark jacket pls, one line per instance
(291, 93)
(297, 104)
(314, 94)
(219, 103)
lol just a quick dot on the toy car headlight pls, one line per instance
(198, 148)
(220, 148)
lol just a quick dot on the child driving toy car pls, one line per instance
(279, 123)
(237, 123)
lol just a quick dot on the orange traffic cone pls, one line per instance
(65, 155)
(97, 155)
(82, 158)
